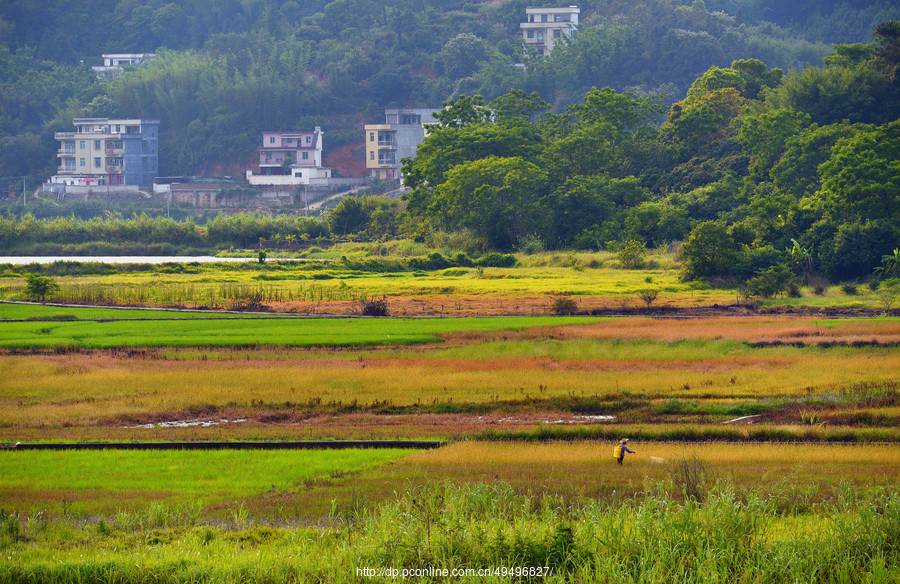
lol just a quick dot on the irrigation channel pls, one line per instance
(254, 445)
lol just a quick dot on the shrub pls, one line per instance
(497, 260)
(531, 244)
(691, 477)
(889, 293)
(374, 307)
(709, 251)
(39, 287)
(849, 288)
(819, 285)
(771, 281)
(434, 261)
(564, 305)
(632, 255)
(648, 296)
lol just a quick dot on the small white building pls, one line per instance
(545, 26)
(114, 62)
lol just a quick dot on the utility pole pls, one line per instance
(24, 194)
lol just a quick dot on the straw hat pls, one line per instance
(623, 440)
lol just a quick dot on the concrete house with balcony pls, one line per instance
(290, 158)
(398, 138)
(546, 26)
(113, 63)
(108, 152)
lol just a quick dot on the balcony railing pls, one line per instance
(66, 170)
(64, 135)
(66, 152)
(386, 142)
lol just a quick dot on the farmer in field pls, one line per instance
(620, 450)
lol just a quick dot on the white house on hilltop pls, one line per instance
(114, 62)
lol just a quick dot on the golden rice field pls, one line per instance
(589, 469)
(713, 362)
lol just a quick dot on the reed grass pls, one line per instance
(735, 535)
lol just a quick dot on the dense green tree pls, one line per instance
(765, 137)
(832, 95)
(498, 199)
(444, 148)
(657, 222)
(587, 151)
(39, 287)
(887, 53)
(710, 251)
(856, 249)
(861, 180)
(797, 170)
(757, 76)
(350, 216)
(461, 54)
(518, 107)
(588, 202)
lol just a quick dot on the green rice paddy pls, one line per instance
(205, 331)
(109, 481)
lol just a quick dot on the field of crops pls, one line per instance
(751, 514)
(337, 282)
(767, 447)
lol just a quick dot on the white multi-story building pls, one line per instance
(105, 151)
(545, 26)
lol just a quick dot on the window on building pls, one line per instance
(306, 156)
(309, 139)
(82, 145)
(271, 139)
(290, 140)
(118, 129)
(557, 33)
(96, 144)
(81, 161)
(371, 136)
(531, 18)
(268, 157)
(530, 34)
(543, 18)
(97, 162)
(371, 155)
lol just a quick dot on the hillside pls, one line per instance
(227, 70)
